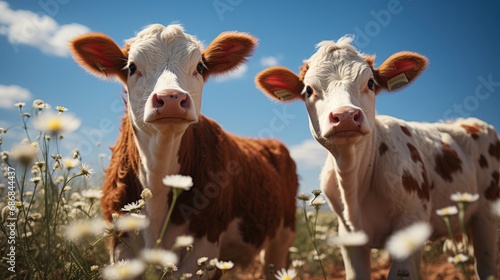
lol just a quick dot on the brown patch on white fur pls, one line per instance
(494, 150)
(382, 148)
(493, 191)
(483, 163)
(472, 130)
(423, 191)
(406, 131)
(447, 163)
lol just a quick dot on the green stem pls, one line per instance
(312, 233)
(167, 219)
(450, 232)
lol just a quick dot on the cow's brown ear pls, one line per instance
(398, 70)
(100, 55)
(227, 52)
(280, 83)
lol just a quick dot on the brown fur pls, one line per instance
(494, 150)
(423, 190)
(493, 191)
(121, 184)
(261, 191)
(483, 163)
(473, 131)
(411, 185)
(447, 163)
(406, 131)
(382, 148)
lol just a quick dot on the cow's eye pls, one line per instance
(371, 84)
(132, 68)
(199, 68)
(309, 91)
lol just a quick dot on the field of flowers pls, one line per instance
(51, 226)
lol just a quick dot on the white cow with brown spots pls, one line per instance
(383, 174)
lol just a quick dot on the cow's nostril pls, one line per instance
(157, 102)
(357, 116)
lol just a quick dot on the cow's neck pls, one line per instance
(354, 168)
(159, 157)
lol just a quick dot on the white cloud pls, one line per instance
(9, 95)
(269, 61)
(309, 154)
(37, 30)
(236, 73)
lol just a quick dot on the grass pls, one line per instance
(51, 225)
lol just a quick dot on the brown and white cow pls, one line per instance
(243, 198)
(383, 174)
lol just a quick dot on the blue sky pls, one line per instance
(460, 38)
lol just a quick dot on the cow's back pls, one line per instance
(432, 161)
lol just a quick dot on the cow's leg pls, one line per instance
(356, 259)
(483, 227)
(356, 262)
(276, 251)
(408, 268)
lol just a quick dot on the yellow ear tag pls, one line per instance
(397, 82)
(283, 94)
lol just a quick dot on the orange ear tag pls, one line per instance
(283, 94)
(397, 82)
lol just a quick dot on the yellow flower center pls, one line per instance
(287, 277)
(54, 125)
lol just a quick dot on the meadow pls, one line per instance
(51, 225)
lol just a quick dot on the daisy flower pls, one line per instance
(146, 194)
(132, 222)
(19, 104)
(129, 269)
(55, 124)
(297, 263)
(133, 206)
(318, 201)
(159, 257)
(464, 197)
(406, 241)
(92, 194)
(183, 241)
(70, 162)
(286, 274)
(61, 109)
(447, 211)
(80, 229)
(460, 258)
(356, 238)
(24, 152)
(178, 181)
(85, 170)
(202, 260)
(303, 196)
(222, 265)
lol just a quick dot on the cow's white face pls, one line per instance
(165, 79)
(339, 94)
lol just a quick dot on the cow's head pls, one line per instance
(338, 86)
(163, 69)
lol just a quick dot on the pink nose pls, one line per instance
(171, 103)
(346, 119)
